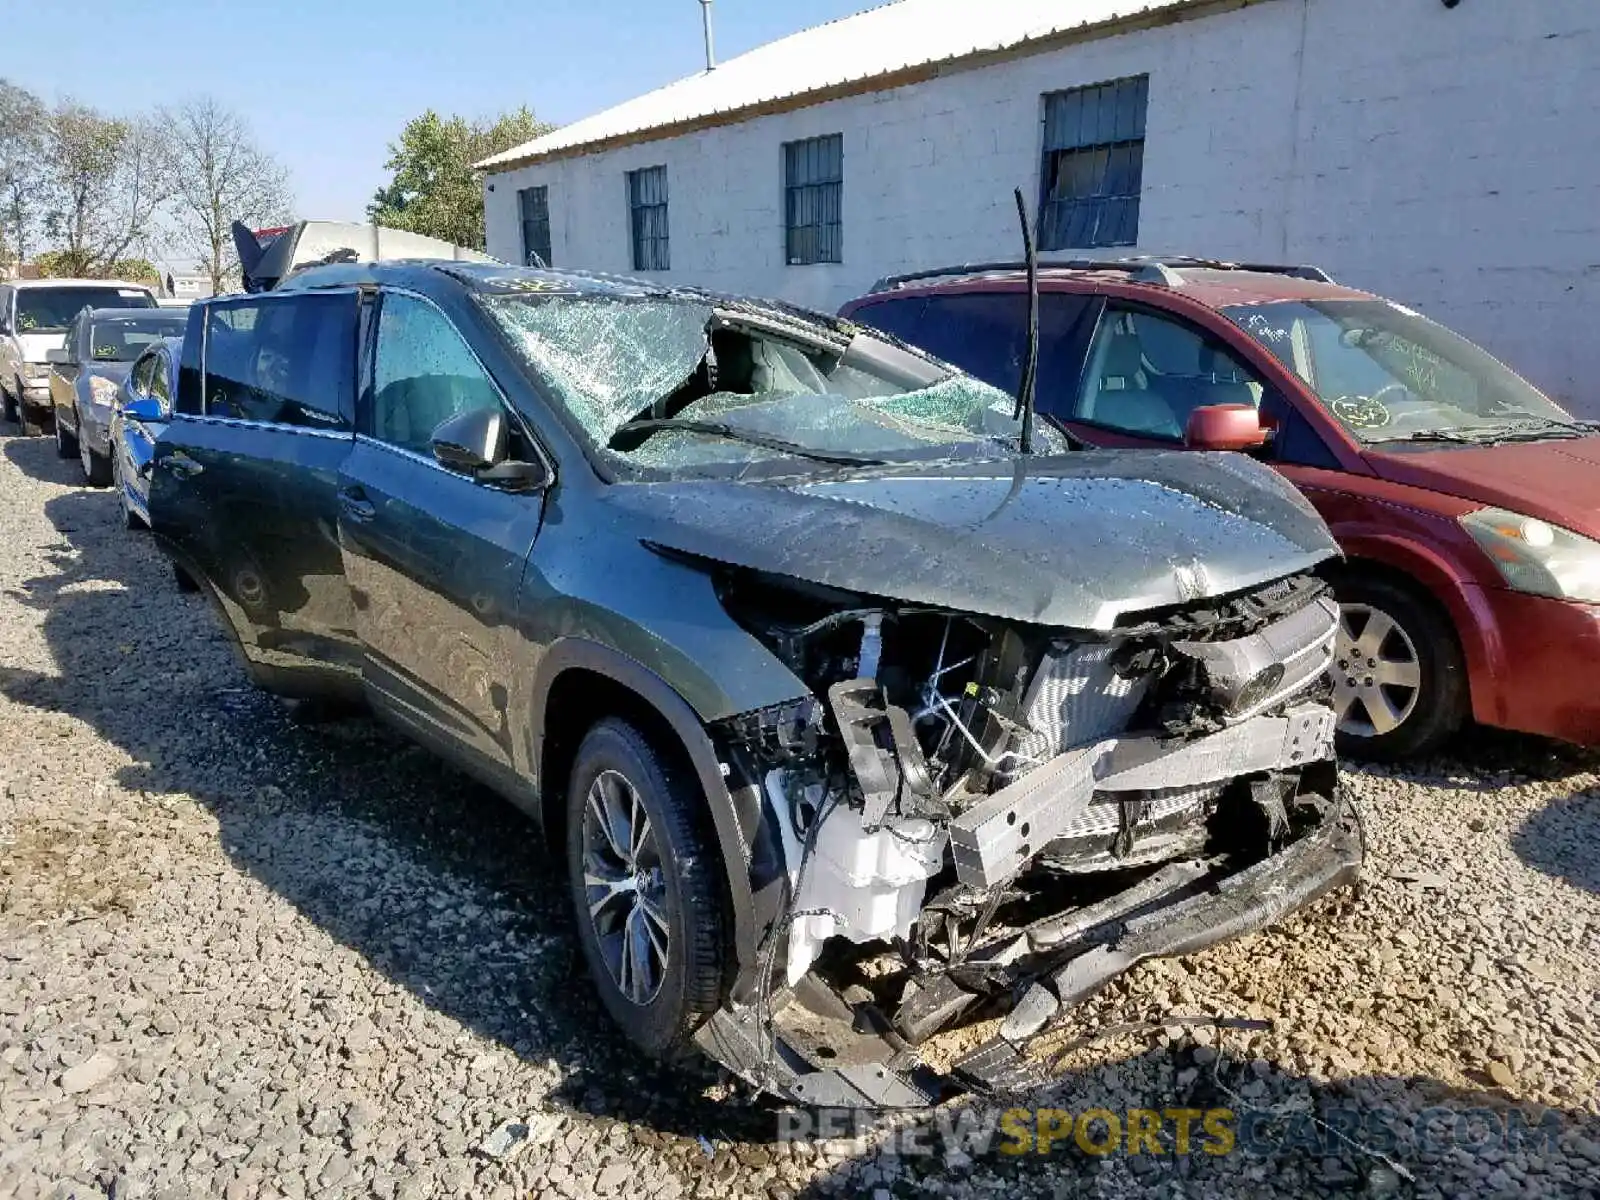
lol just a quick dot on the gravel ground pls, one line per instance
(242, 956)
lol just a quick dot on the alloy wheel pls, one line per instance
(625, 887)
(1377, 674)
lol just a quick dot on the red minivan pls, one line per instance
(1466, 501)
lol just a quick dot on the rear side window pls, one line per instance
(980, 332)
(284, 360)
(986, 335)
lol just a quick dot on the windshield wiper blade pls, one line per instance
(1542, 427)
(767, 442)
(1431, 435)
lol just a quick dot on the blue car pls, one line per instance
(144, 402)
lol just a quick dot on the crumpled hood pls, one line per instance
(1558, 481)
(1073, 541)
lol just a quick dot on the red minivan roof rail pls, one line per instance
(1143, 268)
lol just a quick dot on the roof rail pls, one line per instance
(1143, 268)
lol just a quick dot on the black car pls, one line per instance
(841, 706)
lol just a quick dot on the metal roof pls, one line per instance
(842, 54)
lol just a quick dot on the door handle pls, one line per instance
(182, 465)
(356, 506)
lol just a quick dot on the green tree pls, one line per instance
(434, 190)
(58, 264)
(22, 119)
(100, 185)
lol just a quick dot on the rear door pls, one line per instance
(434, 558)
(246, 477)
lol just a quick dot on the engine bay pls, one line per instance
(967, 807)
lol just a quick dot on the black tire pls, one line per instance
(66, 443)
(32, 421)
(130, 519)
(8, 405)
(1431, 711)
(185, 581)
(96, 467)
(682, 870)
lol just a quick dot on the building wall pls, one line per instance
(1448, 158)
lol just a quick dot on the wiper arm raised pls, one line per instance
(735, 434)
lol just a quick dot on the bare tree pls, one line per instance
(101, 185)
(216, 175)
(22, 119)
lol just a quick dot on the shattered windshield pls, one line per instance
(671, 384)
(1390, 375)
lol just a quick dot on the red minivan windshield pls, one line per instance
(1389, 374)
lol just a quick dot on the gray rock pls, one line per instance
(90, 1073)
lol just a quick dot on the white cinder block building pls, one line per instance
(1445, 153)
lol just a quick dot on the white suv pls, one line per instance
(34, 314)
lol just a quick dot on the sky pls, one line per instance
(326, 85)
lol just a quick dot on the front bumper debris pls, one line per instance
(852, 1057)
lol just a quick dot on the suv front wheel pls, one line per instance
(644, 887)
(1399, 682)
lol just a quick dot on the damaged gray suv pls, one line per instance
(852, 721)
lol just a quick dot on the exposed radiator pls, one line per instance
(1076, 697)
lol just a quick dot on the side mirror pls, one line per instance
(470, 442)
(1225, 427)
(60, 355)
(475, 443)
(144, 408)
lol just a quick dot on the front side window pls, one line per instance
(663, 384)
(533, 204)
(161, 379)
(51, 309)
(813, 176)
(139, 377)
(1147, 373)
(1093, 168)
(1388, 374)
(647, 210)
(423, 374)
(286, 359)
(121, 339)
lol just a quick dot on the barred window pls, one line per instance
(647, 206)
(813, 172)
(534, 204)
(1093, 165)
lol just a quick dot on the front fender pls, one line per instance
(733, 840)
(1454, 589)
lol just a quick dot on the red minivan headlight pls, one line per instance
(1537, 557)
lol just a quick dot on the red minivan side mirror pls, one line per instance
(1225, 427)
